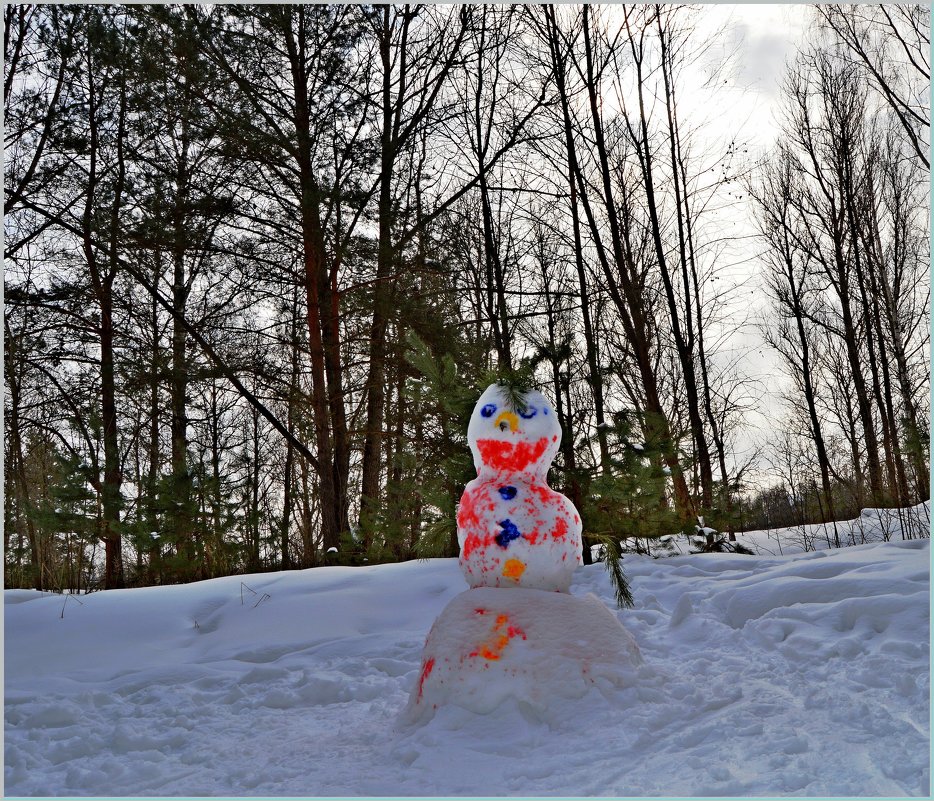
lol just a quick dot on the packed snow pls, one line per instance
(799, 674)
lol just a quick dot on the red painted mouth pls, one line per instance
(502, 455)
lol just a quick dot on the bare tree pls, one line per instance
(891, 43)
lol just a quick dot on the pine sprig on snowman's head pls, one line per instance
(513, 395)
(515, 385)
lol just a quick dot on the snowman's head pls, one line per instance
(505, 438)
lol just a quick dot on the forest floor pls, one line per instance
(803, 674)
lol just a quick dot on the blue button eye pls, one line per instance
(487, 411)
(544, 410)
(528, 413)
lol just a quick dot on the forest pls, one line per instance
(260, 261)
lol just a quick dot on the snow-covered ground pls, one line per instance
(804, 674)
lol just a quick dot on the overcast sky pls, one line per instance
(766, 37)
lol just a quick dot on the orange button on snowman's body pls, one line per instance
(513, 529)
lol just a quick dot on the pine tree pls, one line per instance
(445, 395)
(629, 501)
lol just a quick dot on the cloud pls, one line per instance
(765, 38)
(763, 63)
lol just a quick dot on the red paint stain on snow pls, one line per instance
(472, 542)
(561, 528)
(502, 455)
(467, 510)
(426, 672)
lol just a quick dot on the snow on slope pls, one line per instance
(872, 525)
(801, 675)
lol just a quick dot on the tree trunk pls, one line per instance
(684, 343)
(152, 474)
(316, 281)
(254, 563)
(376, 378)
(499, 311)
(113, 561)
(559, 63)
(290, 424)
(17, 466)
(180, 498)
(102, 285)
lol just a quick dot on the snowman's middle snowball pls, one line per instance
(527, 537)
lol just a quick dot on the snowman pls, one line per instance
(513, 529)
(517, 635)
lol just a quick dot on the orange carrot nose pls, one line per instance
(507, 419)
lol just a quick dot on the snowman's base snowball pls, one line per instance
(490, 645)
